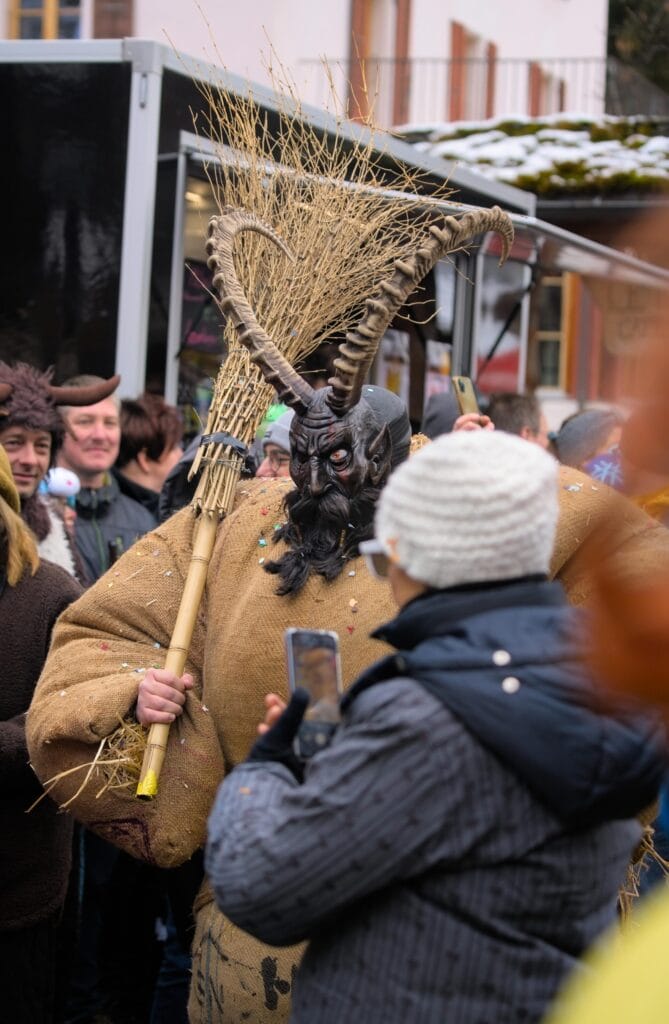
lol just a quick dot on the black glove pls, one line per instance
(278, 743)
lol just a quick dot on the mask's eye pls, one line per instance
(339, 457)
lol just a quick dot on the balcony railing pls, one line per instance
(422, 89)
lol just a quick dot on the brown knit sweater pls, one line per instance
(35, 847)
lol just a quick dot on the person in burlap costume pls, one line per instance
(114, 639)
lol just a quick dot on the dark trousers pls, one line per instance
(27, 959)
(118, 952)
(170, 999)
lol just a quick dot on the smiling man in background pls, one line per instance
(108, 522)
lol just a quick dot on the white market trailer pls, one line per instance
(107, 201)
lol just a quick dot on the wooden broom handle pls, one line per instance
(156, 746)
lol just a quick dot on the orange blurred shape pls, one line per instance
(630, 637)
(645, 440)
(630, 627)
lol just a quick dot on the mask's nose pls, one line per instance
(316, 480)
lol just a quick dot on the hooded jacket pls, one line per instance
(585, 766)
(435, 867)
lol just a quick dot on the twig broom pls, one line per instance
(345, 239)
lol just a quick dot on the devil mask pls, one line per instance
(339, 465)
(341, 448)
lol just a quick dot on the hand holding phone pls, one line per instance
(314, 665)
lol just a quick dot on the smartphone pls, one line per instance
(465, 395)
(312, 656)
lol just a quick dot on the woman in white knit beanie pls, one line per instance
(463, 839)
(470, 507)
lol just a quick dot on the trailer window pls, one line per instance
(548, 345)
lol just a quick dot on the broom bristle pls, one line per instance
(345, 218)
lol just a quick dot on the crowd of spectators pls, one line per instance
(83, 475)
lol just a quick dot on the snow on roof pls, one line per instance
(556, 154)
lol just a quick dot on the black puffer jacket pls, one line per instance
(586, 767)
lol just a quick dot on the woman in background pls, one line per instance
(35, 847)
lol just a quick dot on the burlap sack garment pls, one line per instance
(122, 626)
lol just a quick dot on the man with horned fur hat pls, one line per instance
(108, 650)
(31, 432)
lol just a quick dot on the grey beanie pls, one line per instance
(391, 410)
(441, 412)
(278, 432)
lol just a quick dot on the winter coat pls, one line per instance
(108, 523)
(35, 847)
(463, 840)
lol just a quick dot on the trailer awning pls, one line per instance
(551, 249)
(554, 250)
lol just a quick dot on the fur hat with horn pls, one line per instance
(340, 450)
(29, 399)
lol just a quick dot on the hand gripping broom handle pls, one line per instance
(147, 787)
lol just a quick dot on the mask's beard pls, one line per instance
(323, 534)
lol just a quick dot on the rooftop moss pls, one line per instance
(631, 163)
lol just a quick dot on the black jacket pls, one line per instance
(585, 765)
(143, 495)
(108, 523)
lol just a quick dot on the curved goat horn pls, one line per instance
(5, 392)
(357, 352)
(277, 371)
(85, 394)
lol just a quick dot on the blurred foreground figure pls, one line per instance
(631, 633)
(464, 838)
(34, 847)
(630, 653)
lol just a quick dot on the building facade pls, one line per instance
(392, 60)
(99, 280)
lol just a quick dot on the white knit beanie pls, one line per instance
(469, 507)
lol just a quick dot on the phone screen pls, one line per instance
(313, 664)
